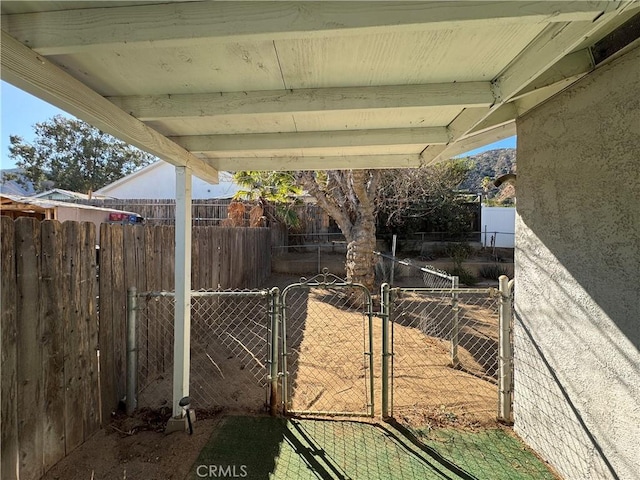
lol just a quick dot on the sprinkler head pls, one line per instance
(184, 403)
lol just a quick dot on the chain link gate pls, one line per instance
(446, 352)
(231, 350)
(327, 347)
(442, 355)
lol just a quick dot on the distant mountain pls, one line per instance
(10, 185)
(492, 164)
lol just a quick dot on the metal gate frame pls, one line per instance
(277, 375)
(327, 280)
(259, 350)
(504, 400)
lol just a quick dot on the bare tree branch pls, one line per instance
(326, 202)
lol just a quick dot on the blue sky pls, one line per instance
(506, 143)
(20, 111)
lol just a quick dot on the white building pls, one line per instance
(158, 180)
(64, 195)
(498, 226)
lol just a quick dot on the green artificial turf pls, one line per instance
(276, 448)
(492, 453)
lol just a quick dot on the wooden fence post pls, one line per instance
(109, 398)
(75, 351)
(29, 347)
(8, 381)
(54, 300)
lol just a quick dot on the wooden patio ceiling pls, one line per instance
(302, 85)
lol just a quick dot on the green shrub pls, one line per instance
(459, 252)
(383, 270)
(464, 276)
(493, 272)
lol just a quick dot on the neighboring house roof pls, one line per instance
(157, 180)
(43, 204)
(144, 171)
(60, 194)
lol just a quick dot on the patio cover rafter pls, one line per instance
(157, 107)
(536, 63)
(285, 163)
(33, 73)
(56, 33)
(325, 139)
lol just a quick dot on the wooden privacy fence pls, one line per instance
(205, 212)
(51, 397)
(143, 257)
(49, 391)
(314, 222)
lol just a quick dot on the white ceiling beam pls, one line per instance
(430, 153)
(483, 138)
(69, 31)
(536, 62)
(301, 140)
(506, 113)
(571, 68)
(463, 122)
(467, 119)
(34, 74)
(159, 107)
(318, 163)
(542, 55)
(534, 98)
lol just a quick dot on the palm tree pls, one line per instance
(275, 189)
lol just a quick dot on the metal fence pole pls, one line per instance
(132, 352)
(384, 314)
(367, 296)
(275, 320)
(505, 367)
(455, 327)
(393, 259)
(285, 376)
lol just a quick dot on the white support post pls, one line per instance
(182, 325)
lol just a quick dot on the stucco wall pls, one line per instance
(577, 327)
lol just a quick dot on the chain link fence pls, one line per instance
(438, 359)
(230, 334)
(452, 378)
(230, 349)
(154, 336)
(444, 355)
(390, 268)
(440, 351)
(327, 349)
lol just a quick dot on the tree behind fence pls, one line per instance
(49, 343)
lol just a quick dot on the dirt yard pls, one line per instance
(135, 448)
(329, 369)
